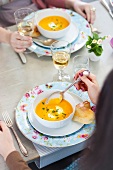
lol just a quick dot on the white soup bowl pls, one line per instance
(53, 12)
(53, 124)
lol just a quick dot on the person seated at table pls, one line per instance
(8, 150)
(101, 145)
(19, 43)
(7, 10)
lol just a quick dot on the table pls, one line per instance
(16, 78)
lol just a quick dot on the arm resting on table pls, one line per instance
(15, 162)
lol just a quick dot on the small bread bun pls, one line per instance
(36, 33)
(83, 113)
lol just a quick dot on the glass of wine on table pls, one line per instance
(61, 51)
(24, 18)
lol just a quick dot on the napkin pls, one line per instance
(50, 155)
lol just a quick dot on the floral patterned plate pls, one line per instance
(84, 31)
(29, 132)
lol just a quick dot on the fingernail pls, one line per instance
(93, 108)
(82, 89)
(76, 88)
(81, 74)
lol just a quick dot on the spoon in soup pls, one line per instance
(59, 94)
(46, 42)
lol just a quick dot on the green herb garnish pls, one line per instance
(56, 115)
(53, 111)
(63, 113)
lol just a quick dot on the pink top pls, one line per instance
(49, 3)
(7, 10)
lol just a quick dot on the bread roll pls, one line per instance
(36, 33)
(83, 113)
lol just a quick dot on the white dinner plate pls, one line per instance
(70, 37)
(66, 130)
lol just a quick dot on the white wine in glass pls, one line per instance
(60, 55)
(24, 18)
(61, 59)
(25, 28)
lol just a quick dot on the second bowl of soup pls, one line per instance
(53, 23)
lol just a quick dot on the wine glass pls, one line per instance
(24, 18)
(61, 54)
(80, 62)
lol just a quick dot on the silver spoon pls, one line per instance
(46, 42)
(93, 29)
(60, 93)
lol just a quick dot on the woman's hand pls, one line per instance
(6, 141)
(82, 8)
(18, 42)
(89, 84)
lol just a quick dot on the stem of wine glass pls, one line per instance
(60, 74)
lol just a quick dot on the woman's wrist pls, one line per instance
(8, 37)
(69, 4)
(5, 35)
(10, 150)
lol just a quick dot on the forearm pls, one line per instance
(15, 162)
(5, 35)
(69, 3)
(56, 3)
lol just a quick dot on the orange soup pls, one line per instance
(54, 23)
(54, 111)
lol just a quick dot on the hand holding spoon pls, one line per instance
(60, 93)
